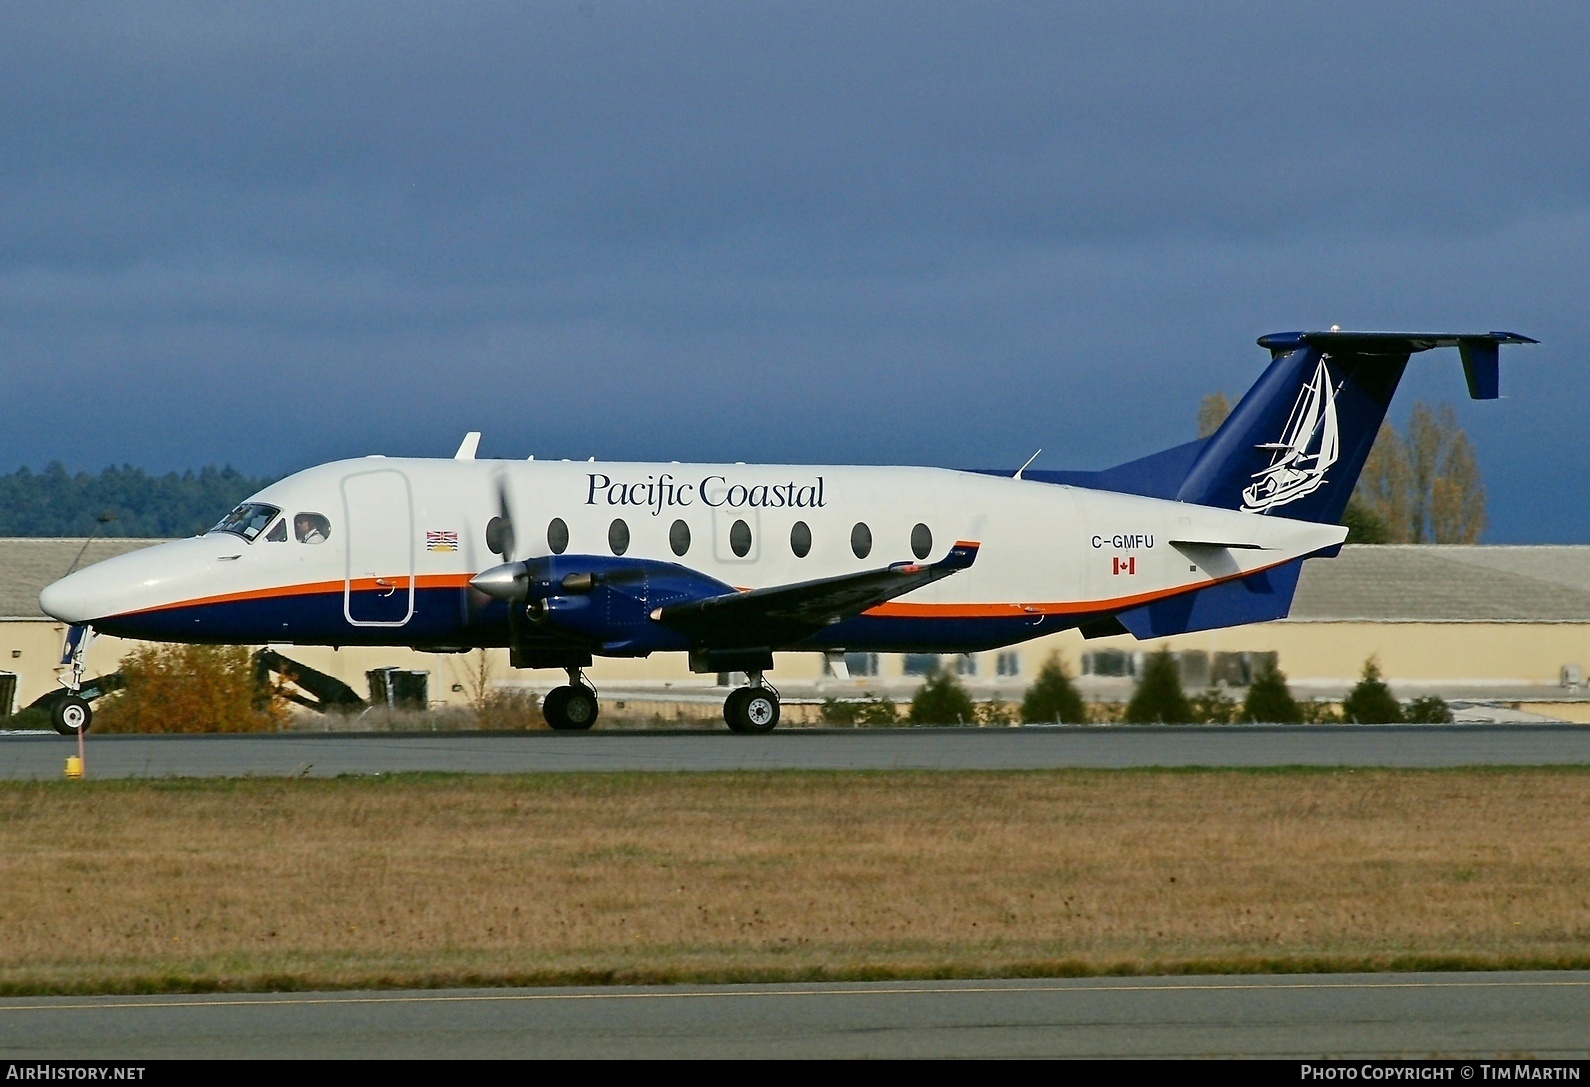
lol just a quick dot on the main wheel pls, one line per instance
(71, 714)
(570, 709)
(751, 709)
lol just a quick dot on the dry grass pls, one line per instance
(448, 880)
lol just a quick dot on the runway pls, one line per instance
(1410, 1015)
(37, 756)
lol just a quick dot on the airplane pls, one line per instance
(563, 561)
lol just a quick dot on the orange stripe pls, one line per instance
(1080, 607)
(312, 588)
(889, 610)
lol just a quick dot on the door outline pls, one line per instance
(351, 534)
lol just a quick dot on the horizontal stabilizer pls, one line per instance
(1479, 350)
(1239, 545)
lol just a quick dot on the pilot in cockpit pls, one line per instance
(311, 528)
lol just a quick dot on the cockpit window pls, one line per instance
(248, 520)
(278, 532)
(311, 528)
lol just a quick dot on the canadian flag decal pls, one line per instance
(1124, 566)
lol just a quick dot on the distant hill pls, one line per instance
(55, 502)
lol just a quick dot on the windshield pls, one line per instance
(248, 520)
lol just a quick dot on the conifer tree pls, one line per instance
(942, 701)
(1270, 700)
(1159, 698)
(1371, 702)
(1053, 698)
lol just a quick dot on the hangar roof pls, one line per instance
(27, 565)
(1446, 584)
(1401, 583)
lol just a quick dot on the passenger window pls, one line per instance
(618, 536)
(558, 536)
(921, 541)
(499, 536)
(311, 528)
(800, 539)
(679, 538)
(740, 538)
(861, 540)
(278, 534)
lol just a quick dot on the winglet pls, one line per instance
(466, 448)
(961, 556)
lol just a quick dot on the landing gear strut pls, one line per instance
(572, 708)
(71, 716)
(752, 709)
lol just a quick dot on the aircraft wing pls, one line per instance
(783, 613)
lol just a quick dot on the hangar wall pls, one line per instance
(1474, 622)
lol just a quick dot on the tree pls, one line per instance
(1270, 700)
(1212, 411)
(942, 701)
(1053, 698)
(191, 688)
(1371, 701)
(1159, 698)
(1425, 488)
(1363, 524)
(1429, 710)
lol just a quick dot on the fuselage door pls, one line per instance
(378, 510)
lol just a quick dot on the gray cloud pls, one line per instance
(948, 233)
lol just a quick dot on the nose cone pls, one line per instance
(153, 577)
(67, 600)
(510, 581)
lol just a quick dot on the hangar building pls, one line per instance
(1504, 626)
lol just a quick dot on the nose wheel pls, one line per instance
(752, 709)
(71, 715)
(572, 708)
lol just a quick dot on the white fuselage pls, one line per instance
(402, 538)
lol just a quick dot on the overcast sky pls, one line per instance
(278, 234)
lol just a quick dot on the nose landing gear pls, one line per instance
(71, 715)
(752, 709)
(572, 708)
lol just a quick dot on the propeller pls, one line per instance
(511, 580)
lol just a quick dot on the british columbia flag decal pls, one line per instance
(441, 541)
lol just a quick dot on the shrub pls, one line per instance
(1159, 698)
(500, 709)
(995, 713)
(1053, 698)
(191, 688)
(1213, 706)
(1371, 702)
(871, 712)
(942, 701)
(1270, 700)
(1429, 710)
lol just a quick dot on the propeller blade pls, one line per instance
(499, 530)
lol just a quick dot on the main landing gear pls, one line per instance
(572, 708)
(752, 709)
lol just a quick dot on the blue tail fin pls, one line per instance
(1297, 442)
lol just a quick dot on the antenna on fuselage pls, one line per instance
(1024, 467)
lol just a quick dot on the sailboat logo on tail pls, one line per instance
(1307, 449)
